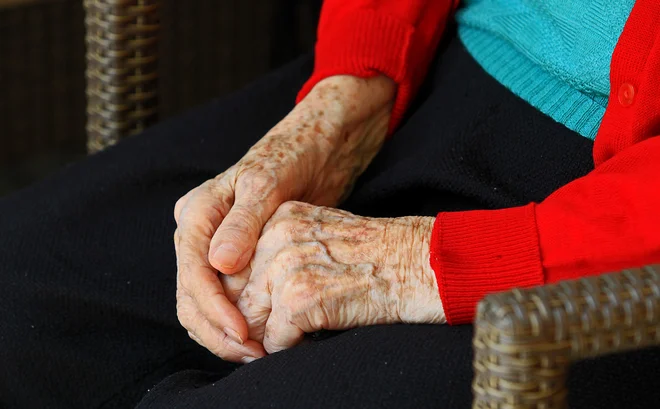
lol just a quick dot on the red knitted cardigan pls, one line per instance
(604, 221)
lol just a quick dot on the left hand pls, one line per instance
(314, 154)
(320, 268)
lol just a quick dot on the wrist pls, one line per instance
(350, 117)
(417, 298)
(350, 99)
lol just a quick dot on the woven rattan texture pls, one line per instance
(525, 340)
(207, 48)
(204, 48)
(122, 68)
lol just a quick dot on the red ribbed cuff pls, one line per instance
(481, 252)
(364, 44)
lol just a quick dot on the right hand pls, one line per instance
(314, 155)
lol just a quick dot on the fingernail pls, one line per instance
(248, 359)
(227, 255)
(235, 336)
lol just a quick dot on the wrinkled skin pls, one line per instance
(321, 268)
(313, 155)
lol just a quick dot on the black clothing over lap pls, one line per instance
(87, 266)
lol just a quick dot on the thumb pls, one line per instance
(281, 333)
(233, 243)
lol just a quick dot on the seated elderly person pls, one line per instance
(522, 152)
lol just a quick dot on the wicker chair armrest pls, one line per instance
(122, 68)
(525, 340)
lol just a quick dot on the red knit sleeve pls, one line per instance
(367, 37)
(605, 221)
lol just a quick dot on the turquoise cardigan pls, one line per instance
(554, 54)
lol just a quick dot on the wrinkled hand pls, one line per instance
(320, 268)
(313, 155)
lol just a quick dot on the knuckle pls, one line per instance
(178, 206)
(293, 209)
(287, 208)
(210, 184)
(290, 214)
(177, 210)
(182, 297)
(244, 302)
(257, 179)
(271, 340)
(187, 217)
(235, 234)
(222, 176)
(177, 238)
(200, 218)
(219, 188)
(288, 308)
(190, 234)
(185, 314)
(232, 291)
(289, 257)
(242, 219)
(183, 320)
(180, 202)
(195, 338)
(320, 248)
(284, 228)
(294, 292)
(187, 283)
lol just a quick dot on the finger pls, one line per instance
(194, 338)
(255, 305)
(196, 277)
(234, 284)
(281, 333)
(233, 243)
(180, 204)
(264, 291)
(216, 341)
(176, 242)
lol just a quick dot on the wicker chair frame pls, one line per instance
(122, 71)
(525, 340)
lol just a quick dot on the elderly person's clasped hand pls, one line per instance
(257, 267)
(320, 268)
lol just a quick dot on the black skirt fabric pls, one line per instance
(87, 264)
